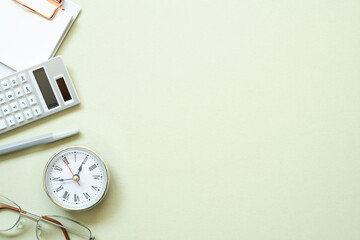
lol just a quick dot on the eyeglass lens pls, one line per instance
(47, 227)
(9, 214)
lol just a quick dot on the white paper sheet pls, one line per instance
(26, 38)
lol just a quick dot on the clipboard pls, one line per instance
(36, 45)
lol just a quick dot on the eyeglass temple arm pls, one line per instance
(46, 218)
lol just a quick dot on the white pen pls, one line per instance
(35, 141)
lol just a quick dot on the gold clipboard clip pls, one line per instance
(56, 3)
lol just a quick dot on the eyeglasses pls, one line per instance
(47, 11)
(49, 227)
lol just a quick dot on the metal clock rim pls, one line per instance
(106, 172)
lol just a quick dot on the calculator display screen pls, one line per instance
(45, 88)
(63, 89)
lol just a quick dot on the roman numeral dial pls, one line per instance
(76, 178)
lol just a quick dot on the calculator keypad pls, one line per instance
(18, 103)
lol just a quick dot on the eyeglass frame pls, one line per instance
(57, 3)
(47, 218)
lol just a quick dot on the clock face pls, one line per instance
(76, 178)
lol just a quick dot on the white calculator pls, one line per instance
(34, 93)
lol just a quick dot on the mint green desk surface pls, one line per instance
(219, 120)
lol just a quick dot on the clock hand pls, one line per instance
(80, 168)
(58, 179)
(71, 171)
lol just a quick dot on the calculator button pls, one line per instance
(6, 109)
(28, 114)
(14, 81)
(10, 120)
(2, 99)
(36, 110)
(15, 106)
(23, 103)
(18, 92)
(10, 95)
(19, 117)
(32, 99)
(23, 77)
(2, 124)
(5, 84)
(27, 88)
